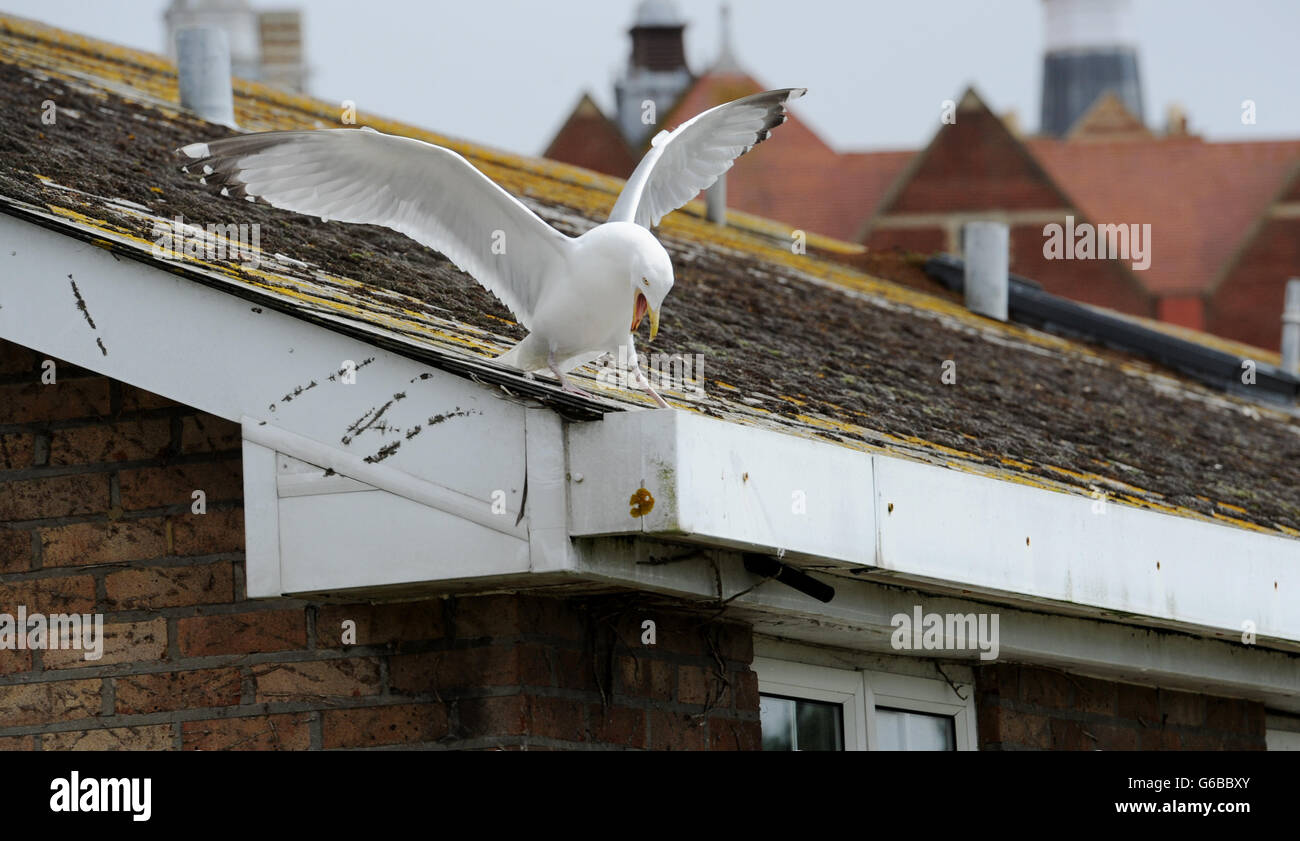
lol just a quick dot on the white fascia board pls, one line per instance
(721, 484)
(718, 484)
(462, 448)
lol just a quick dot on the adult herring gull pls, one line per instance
(575, 295)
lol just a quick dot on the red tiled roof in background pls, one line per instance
(795, 177)
(588, 138)
(1199, 198)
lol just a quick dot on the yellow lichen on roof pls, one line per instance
(150, 80)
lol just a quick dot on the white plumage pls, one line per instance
(576, 296)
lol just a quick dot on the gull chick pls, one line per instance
(579, 297)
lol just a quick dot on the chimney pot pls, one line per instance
(203, 68)
(1291, 328)
(715, 201)
(987, 266)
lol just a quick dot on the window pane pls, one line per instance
(776, 716)
(819, 726)
(902, 730)
(796, 724)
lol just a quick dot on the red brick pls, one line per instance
(242, 633)
(694, 685)
(1182, 708)
(208, 534)
(1095, 696)
(290, 731)
(645, 677)
(42, 703)
(1225, 714)
(156, 587)
(124, 642)
(576, 669)
(135, 399)
(56, 594)
(16, 359)
(103, 543)
(614, 725)
(316, 680)
(488, 616)
(1045, 688)
(17, 450)
(730, 734)
(555, 618)
(56, 496)
(17, 743)
(123, 441)
(745, 685)
(164, 691)
(13, 660)
(15, 550)
(1138, 703)
(1026, 730)
(435, 671)
(1111, 737)
(380, 624)
(676, 731)
(735, 642)
(64, 399)
(558, 718)
(161, 487)
(495, 717)
(1003, 679)
(392, 725)
(1068, 735)
(204, 433)
(989, 718)
(147, 737)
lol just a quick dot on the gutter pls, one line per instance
(1030, 304)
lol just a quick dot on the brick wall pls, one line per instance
(1247, 306)
(1029, 708)
(96, 480)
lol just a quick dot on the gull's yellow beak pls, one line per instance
(640, 310)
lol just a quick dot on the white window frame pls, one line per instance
(861, 691)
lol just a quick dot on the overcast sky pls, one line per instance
(506, 72)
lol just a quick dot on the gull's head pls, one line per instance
(651, 278)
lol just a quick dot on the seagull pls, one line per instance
(576, 296)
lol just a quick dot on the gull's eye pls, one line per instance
(646, 281)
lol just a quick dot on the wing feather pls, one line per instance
(695, 154)
(431, 194)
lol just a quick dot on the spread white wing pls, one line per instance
(429, 193)
(691, 157)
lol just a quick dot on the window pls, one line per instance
(806, 707)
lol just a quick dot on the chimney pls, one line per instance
(1090, 50)
(281, 41)
(203, 70)
(656, 70)
(1291, 328)
(987, 267)
(715, 201)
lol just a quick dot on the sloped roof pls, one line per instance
(797, 343)
(1200, 198)
(1108, 119)
(587, 135)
